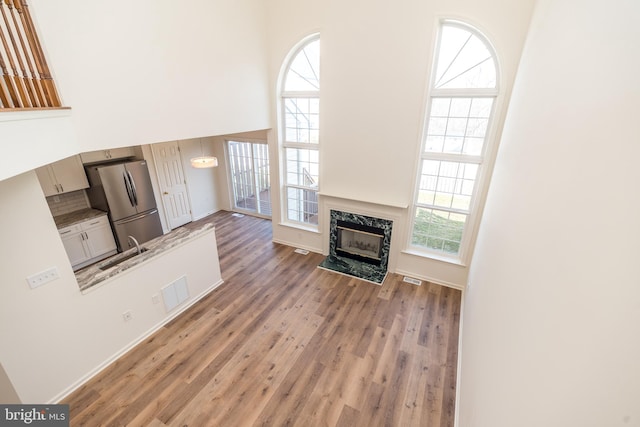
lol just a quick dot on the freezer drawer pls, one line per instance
(143, 228)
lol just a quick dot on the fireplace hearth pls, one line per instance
(358, 246)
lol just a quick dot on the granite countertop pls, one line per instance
(93, 275)
(75, 217)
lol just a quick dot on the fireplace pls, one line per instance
(358, 245)
(359, 242)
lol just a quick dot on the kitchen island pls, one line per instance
(94, 274)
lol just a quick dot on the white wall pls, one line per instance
(550, 335)
(143, 72)
(54, 336)
(34, 139)
(202, 184)
(375, 63)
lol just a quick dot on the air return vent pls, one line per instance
(175, 293)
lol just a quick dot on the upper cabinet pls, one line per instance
(62, 176)
(107, 155)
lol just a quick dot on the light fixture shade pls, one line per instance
(204, 162)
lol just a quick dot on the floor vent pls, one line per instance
(301, 251)
(237, 215)
(412, 281)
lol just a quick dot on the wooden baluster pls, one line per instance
(5, 95)
(12, 78)
(38, 55)
(34, 87)
(14, 53)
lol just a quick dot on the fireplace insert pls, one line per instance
(360, 242)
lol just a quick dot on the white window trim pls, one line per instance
(284, 144)
(490, 146)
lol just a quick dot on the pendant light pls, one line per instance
(204, 161)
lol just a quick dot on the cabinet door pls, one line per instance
(100, 240)
(47, 181)
(106, 155)
(70, 174)
(77, 250)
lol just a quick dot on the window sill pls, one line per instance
(302, 227)
(436, 257)
(12, 114)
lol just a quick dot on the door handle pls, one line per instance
(165, 193)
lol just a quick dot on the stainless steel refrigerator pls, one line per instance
(124, 190)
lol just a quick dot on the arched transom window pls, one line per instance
(463, 90)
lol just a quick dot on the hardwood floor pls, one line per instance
(282, 342)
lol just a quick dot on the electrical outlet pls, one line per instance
(43, 277)
(127, 315)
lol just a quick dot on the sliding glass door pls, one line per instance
(249, 168)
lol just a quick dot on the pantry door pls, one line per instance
(173, 184)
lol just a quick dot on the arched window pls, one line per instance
(300, 132)
(463, 89)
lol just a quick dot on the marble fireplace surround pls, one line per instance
(370, 239)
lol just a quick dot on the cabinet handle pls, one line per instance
(65, 232)
(85, 236)
(94, 223)
(61, 188)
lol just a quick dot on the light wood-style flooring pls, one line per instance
(283, 342)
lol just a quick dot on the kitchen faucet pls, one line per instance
(136, 243)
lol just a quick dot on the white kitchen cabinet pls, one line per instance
(107, 155)
(63, 176)
(88, 242)
(73, 241)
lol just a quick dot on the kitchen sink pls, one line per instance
(121, 259)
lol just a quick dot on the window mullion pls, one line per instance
(449, 157)
(306, 94)
(301, 145)
(442, 208)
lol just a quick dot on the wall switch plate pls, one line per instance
(155, 298)
(43, 277)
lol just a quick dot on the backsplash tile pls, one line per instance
(67, 202)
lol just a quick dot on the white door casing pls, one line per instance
(172, 182)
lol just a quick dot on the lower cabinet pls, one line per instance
(88, 242)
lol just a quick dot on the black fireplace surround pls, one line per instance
(358, 245)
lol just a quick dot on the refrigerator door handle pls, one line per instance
(137, 217)
(133, 188)
(126, 185)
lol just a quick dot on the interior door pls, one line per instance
(172, 183)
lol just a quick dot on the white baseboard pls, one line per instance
(131, 345)
(296, 245)
(430, 279)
